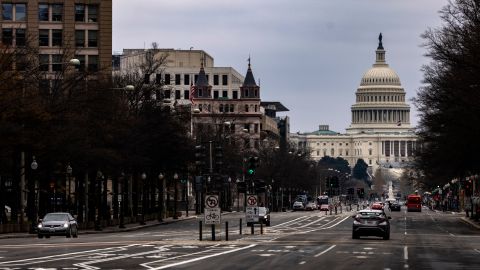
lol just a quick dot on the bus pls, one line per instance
(414, 203)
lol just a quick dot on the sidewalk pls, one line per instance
(463, 218)
(110, 229)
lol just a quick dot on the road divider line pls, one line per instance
(325, 251)
(313, 222)
(202, 258)
(302, 218)
(405, 253)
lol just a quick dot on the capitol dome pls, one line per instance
(380, 75)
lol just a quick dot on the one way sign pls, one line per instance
(251, 214)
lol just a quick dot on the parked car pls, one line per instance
(298, 205)
(311, 206)
(263, 216)
(57, 223)
(370, 222)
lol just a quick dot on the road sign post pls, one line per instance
(212, 210)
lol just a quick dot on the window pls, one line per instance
(158, 78)
(215, 79)
(256, 108)
(256, 128)
(246, 92)
(21, 62)
(93, 63)
(224, 94)
(235, 94)
(246, 108)
(92, 38)
(92, 13)
(247, 127)
(43, 60)
(332, 152)
(177, 79)
(186, 94)
(7, 12)
(57, 12)
(81, 58)
(232, 109)
(224, 79)
(20, 12)
(80, 38)
(20, 39)
(177, 94)
(167, 79)
(166, 94)
(57, 62)
(7, 36)
(79, 13)
(215, 94)
(370, 152)
(346, 152)
(43, 12)
(200, 92)
(186, 79)
(56, 37)
(340, 152)
(220, 108)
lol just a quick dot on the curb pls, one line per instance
(470, 222)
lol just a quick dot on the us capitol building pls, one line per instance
(380, 132)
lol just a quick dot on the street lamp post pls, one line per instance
(160, 197)
(69, 198)
(34, 167)
(175, 178)
(142, 219)
(98, 225)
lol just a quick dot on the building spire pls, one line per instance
(380, 53)
(249, 79)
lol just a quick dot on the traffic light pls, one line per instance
(200, 156)
(252, 165)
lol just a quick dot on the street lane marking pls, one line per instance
(477, 250)
(325, 251)
(405, 253)
(299, 219)
(451, 234)
(313, 222)
(195, 259)
(302, 262)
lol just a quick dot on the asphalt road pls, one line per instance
(296, 240)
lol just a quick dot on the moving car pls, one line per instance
(57, 223)
(377, 206)
(370, 222)
(263, 216)
(298, 205)
(395, 206)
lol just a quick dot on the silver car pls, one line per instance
(371, 222)
(57, 224)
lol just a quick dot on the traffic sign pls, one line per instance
(251, 214)
(252, 200)
(211, 201)
(212, 215)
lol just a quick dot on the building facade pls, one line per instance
(61, 30)
(380, 131)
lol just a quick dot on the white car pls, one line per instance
(298, 206)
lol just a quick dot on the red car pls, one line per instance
(377, 206)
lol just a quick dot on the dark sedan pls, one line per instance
(57, 224)
(395, 206)
(370, 222)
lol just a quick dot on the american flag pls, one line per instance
(192, 92)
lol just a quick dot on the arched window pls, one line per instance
(332, 152)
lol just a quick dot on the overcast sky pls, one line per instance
(308, 54)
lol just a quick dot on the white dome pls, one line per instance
(380, 75)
